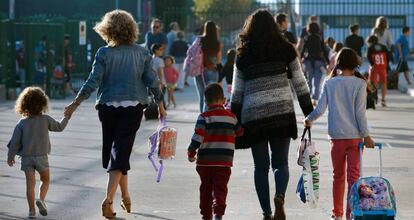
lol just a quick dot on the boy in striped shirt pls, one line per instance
(213, 142)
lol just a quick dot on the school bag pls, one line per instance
(307, 189)
(151, 111)
(162, 144)
(372, 197)
(193, 63)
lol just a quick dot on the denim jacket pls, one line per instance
(121, 73)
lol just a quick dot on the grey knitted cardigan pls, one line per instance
(262, 99)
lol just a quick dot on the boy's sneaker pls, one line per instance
(218, 218)
(42, 207)
(32, 214)
(335, 218)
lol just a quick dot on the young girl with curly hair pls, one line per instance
(31, 142)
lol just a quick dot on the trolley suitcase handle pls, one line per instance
(361, 147)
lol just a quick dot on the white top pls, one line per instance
(123, 104)
(385, 38)
(157, 63)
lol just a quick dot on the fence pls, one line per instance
(335, 16)
(24, 36)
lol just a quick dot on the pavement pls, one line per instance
(78, 180)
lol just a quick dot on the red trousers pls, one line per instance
(213, 190)
(345, 156)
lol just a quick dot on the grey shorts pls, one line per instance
(39, 163)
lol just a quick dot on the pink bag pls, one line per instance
(193, 63)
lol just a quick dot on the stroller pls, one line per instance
(372, 197)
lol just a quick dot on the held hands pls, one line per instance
(11, 162)
(70, 109)
(192, 159)
(369, 143)
(307, 123)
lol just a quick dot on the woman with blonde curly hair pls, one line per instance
(30, 140)
(122, 73)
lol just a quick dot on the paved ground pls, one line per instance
(78, 181)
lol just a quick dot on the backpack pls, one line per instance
(315, 49)
(193, 63)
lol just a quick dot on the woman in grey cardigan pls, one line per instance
(263, 102)
(122, 73)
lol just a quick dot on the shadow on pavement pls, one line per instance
(150, 216)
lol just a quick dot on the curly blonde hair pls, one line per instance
(117, 27)
(32, 102)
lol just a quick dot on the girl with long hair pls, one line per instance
(263, 102)
(211, 47)
(382, 32)
(345, 94)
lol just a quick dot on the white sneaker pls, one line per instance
(32, 215)
(42, 207)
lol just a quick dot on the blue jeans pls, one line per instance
(279, 159)
(313, 70)
(209, 77)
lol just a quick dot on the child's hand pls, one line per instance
(369, 143)
(67, 114)
(11, 162)
(192, 159)
(307, 123)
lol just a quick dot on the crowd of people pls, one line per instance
(266, 65)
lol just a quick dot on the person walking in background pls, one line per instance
(171, 77)
(122, 72)
(382, 32)
(378, 56)
(403, 49)
(20, 64)
(158, 67)
(172, 36)
(40, 64)
(283, 22)
(30, 140)
(329, 45)
(262, 100)
(227, 71)
(179, 52)
(211, 47)
(305, 32)
(345, 95)
(68, 64)
(354, 41)
(155, 36)
(332, 57)
(315, 55)
(214, 158)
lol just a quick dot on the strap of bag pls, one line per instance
(154, 140)
(306, 130)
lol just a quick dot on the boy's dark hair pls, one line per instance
(155, 47)
(180, 35)
(338, 46)
(281, 17)
(354, 27)
(169, 57)
(372, 39)
(213, 93)
(405, 29)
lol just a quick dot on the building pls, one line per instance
(336, 16)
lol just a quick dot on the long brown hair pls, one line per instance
(210, 43)
(260, 35)
(380, 25)
(347, 59)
